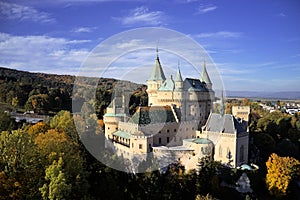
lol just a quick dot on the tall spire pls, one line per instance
(178, 76)
(204, 76)
(157, 71)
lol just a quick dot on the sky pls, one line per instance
(254, 45)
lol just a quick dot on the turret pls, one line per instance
(205, 78)
(155, 81)
(178, 80)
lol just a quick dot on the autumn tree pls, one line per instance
(20, 161)
(280, 173)
(56, 186)
(40, 127)
(54, 144)
(63, 121)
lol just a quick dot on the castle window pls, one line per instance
(168, 131)
(175, 130)
(159, 140)
(242, 153)
(159, 131)
(107, 128)
(220, 151)
(168, 139)
(132, 145)
(116, 128)
(140, 146)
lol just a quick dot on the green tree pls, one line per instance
(265, 143)
(20, 161)
(54, 144)
(63, 121)
(7, 123)
(56, 186)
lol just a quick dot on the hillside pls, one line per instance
(50, 93)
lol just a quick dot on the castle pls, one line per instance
(178, 123)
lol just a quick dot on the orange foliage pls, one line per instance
(39, 127)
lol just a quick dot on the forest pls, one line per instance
(47, 160)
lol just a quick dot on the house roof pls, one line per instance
(199, 140)
(153, 114)
(122, 134)
(191, 84)
(168, 85)
(225, 124)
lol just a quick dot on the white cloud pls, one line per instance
(220, 34)
(84, 29)
(282, 15)
(24, 13)
(41, 53)
(205, 9)
(142, 15)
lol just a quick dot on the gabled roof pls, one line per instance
(191, 84)
(157, 71)
(225, 124)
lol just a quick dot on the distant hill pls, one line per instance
(265, 94)
(50, 93)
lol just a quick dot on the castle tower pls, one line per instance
(178, 80)
(155, 81)
(205, 78)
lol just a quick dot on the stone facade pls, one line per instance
(177, 122)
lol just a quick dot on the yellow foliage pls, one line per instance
(280, 172)
(39, 127)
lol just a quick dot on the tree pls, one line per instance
(20, 161)
(280, 173)
(40, 127)
(56, 186)
(265, 143)
(7, 123)
(38, 103)
(63, 122)
(54, 144)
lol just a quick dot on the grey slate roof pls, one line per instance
(157, 71)
(204, 76)
(178, 76)
(191, 84)
(226, 124)
(153, 114)
(168, 85)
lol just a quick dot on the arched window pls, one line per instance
(220, 151)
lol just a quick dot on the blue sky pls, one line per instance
(254, 44)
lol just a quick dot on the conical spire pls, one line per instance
(178, 76)
(157, 71)
(204, 76)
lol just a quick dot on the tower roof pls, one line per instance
(178, 76)
(204, 76)
(157, 71)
